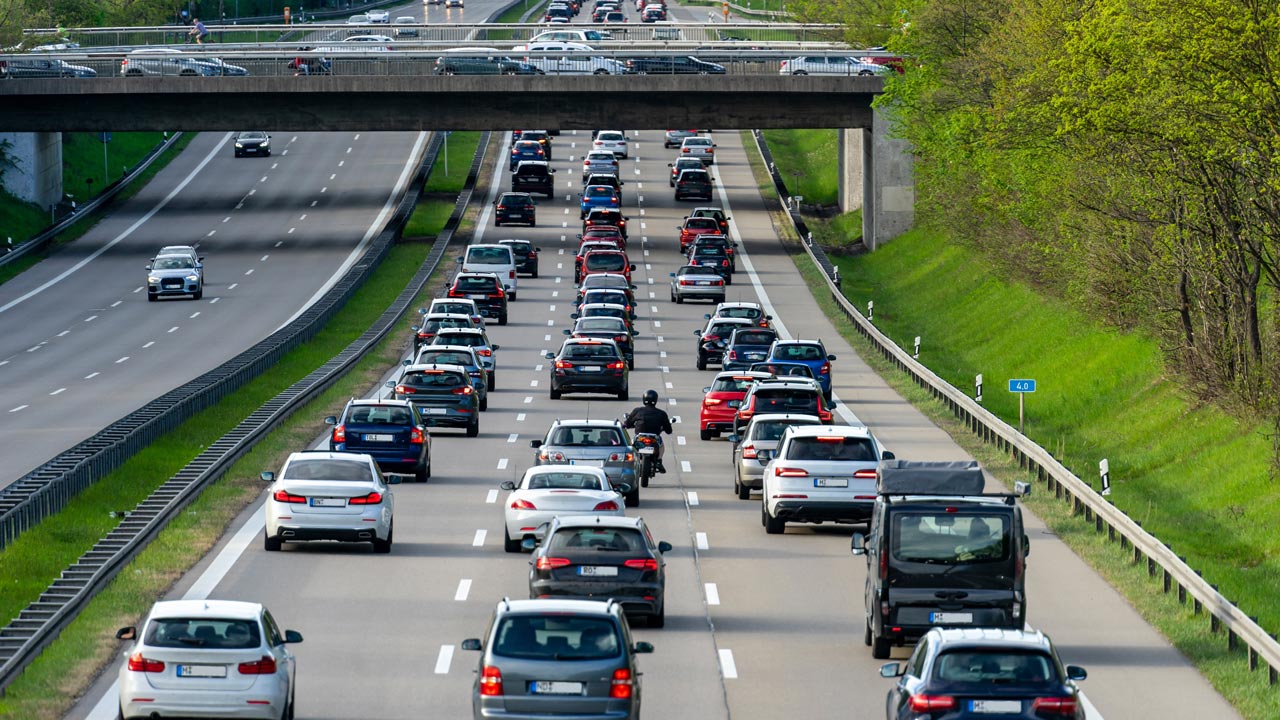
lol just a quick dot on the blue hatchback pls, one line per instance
(598, 196)
(809, 352)
(391, 431)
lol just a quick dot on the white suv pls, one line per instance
(321, 495)
(823, 473)
(492, 258)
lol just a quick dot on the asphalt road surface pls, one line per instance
(758, 626)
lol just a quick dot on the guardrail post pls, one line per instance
(1168, 582)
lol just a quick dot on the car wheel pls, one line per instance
(493, 382)
(632, 499)
(624, 394)
(600, 71)
(728, 280)
(484, 403)
(497, 223)
(799, 72)
(631, 363)
(473, 429)
(879, 647)
(513, 296)
(511, 546)
(659, 620)
(678, 298)
(744, 492)
(382, 547)
(151, 298)
(772, 525)
(866, 634)
(709, 434)
(288, 709)
(422, 473)
(535, 270)
(270, 543)
(197, 294)
(702, 362)
(554, 393)
(502, 319)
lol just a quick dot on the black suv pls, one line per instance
(534, 176)
(486, 290)
(605, 216)
(588, 366)
(948, 554)
(515, 207)
(526, 255)
(693, 185)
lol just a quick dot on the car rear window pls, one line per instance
(612, 312)
(452, 308)
(784, 369)
(741, 383)
(772, 430)
(708, 251)
(476, 284)
(831, 447)
(701, 223)
(749, 313)
(601, 323)
(695, 176)
(988, 667)
(433, 380)
(531, 171)
(755, 337)
(520, 248)
(944, 538)
(327, 469)
(445, 357)
(800, 353)
(695, 141)
(786, 401)
(586, 437)
(606, 157)
(489, 255)
(558, 637)
(207, 633)
(722, 329)
(590, 352)
(565, 481)
(467, 339)
(610, 136)
(517, 199)
(605, 261)
(603, 539)
(599, 191)
(380, 415)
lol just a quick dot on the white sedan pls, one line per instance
(546, 491)
(208, 659)
(612, 141)
(329, 496)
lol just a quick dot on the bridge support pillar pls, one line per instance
(849, 162)
(36, 174)
(888, 183)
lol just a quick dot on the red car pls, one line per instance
(604, 232)
(586, 247)
(720, 404)
(607, 261)
(693, 227)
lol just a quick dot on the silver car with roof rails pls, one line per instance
(753, 449)
(692, 282)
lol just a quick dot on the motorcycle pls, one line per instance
(646, 446)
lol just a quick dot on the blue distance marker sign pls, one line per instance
(1022, 386)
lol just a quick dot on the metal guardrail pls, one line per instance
(37, 625)
(81, 212)
(1160, 559)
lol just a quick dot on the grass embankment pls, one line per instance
(82, 159)
(1194, 476)
(52, 682)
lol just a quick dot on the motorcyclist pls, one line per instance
(649, 418)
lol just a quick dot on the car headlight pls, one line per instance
(264, 143)
(153, 280)
(239, 145)
(192, 278)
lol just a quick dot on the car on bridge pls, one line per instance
(169, 61)
(389, 431)
(677, 65)
(565, 34)
(407, 21)
(379, 16)
(831, 65)
(322, 495)
(38, 67)
(575, 63)
(481, 61)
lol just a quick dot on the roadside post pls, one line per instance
(1022, 387)
(977, 388)
(917, 353)
(1104, 470)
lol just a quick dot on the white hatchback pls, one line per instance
(208, 659)
(546, 491)
(492, 258)
(612, 141)
(321, 495)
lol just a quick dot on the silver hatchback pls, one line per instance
(592, 443)
(557, 659)
(753, 449)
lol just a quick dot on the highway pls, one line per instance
(758, 626)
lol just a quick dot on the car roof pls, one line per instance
(446, 348)
(381, 402)
(443, 315)
(993, 638)
(742, 373)
(417, 367)
(612, 521)
(531, 163)
(484, 245)
(444, 300)
(585, 422)
(554, 605)
(232, 609)
(775, 417)
(330, 455)
(461, 331)
(983, 500)
(794, 382)
(831, 430)
(596, 306)
(545, 469)
(727, 305)
(744, 322)
(473, 274)
(780, 341)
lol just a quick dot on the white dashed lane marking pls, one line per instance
(464, 589)
(126, 357)
(693, 496)
(444, 660)
(727, 666)
(149, 344)
(19, 408)
(491, 497)
(702, 540)
(713, 594)
(478, 540)
(59, 391)
(91, 375)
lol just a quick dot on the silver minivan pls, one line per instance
(492, 258)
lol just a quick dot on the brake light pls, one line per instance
(643, 440)
(137, 663)
(865, 474)
(464, 390)
(931, 703)
(642, 564)
(830, 439)
(711, 401)
(733, 354)
(616, 365)
(454, 293)
(417, 436)
(490, 681)
(546, 563)
(686, 282)
(405, 390)
(1055, 706)
(485, 352)
(339, 433)
(621, 687)
(717, 282)
(824, 416)
(523, 505)
(826, 368)
(606, 506)
(749, 452)
(790, 472)
(285, 496)
(724, 263)
(561, 364)
(511, 274)
(502, 207)
(684, 150)
(265, 666)
(620, 338)
(372, 498)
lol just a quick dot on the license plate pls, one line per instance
(996, 706)
(376, 437)
(591, 368)
(755, 356)
(704, 282)
(598, 570)
(204, 671)
(543, 687)
(939, 618)
(588, 463)
(436, 411)
(477, 297)
(328, 502)
(830, 482)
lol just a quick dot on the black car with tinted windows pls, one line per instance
(720, 241)
(693, 185)
(677, 65)
(253, 142)
(595, 366)
(534, 176)
(713, 339)
(601, 558)
(716, 258)
(515, 207)
(482, 64)
(607, 217)
(487, 292)
(526, 255)
(389, 431)
(443, 394)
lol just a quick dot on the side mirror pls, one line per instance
(642, 648)
(887, 455)
(529, 544)
(550, 356)
(567, 332)
(507, 485)
(1026, 546)
(670, 165)
(127, 633)
(537, 249)
(707, 316)
(633, 267)
(415, 328)
(831, 357)
(497, 347)
(675, 421)
(1075, 672)
(393, 479)
(664, 547)
(671, 274)
(471, 644)
(535, 443)
(148, 267)
(422, 311)
(697, 333)
(292, 637)
(552, 171)
(706, 389)
(635, 333)
(622, 488)
(735, 439)
(891, 670)
(858, 546)
(575, 315)
(200, 258)
(390, 383)
(331, 420)
(633, 287)
(406, 362)
(1022, 489)
(267, 476)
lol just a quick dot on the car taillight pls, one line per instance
(137, 663)
(749, 452)
(825, 416)
(684, 150)
(1055, 706)
(372, 498)
(405, 390)
(865, 474)
(826, 368)
(621, 687)
(265, 666)
(485, 352)
(931, 703)
(511, 274)
(490, 681)
(464, 390)
(561, 364)
(285, 496)
(790, 472)
(417, 436)
(502, 207)
(642, 564)
(456, 293)
(711, 401)
(522, 505)
(339, 433)
(724, 263)
(499, 294)
(550, 563)
(607, 505)
(686, 282)
(733, 354)
(622, 457)
(717, 282)
(616, 365)
(620, 338)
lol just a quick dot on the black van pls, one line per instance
(534, 176)
(941, 553)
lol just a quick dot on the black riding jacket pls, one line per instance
(647, 419)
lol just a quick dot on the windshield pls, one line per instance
(586, 436)
(950, 538)
(701, 223)
(327, 469)
(465, 339)
(558, 637)
(445, 357)
(603, 324)
(172, 263)
(477, 284)
(590, 352)
(832, 447)
(565, 481)
(980, 669)
(740, 384)
(489, 256)
(209, 633)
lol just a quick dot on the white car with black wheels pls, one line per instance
(208, 659)
(322, 495)
(821, 473)
(547, 491)
(612, 141)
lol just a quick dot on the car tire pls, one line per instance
(151, 298)
(744, 492)
(702, 361)
(269, 543)
(513, 296)
(197, 295)
(473, 430)
(496, 223)
(422, 473)
(708, 434)
(772, 525)
(493, 383)
(554, 393)
(728, 279)
(382, 547)
(535, 270)
(624, 394)
(632, 499)
(631, 363)
(502, 319)
(866, 633)
(678, 298)
(511, 546)
(484, 403)
(660, 619)
(879, 648)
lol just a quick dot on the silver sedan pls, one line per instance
(696, 283)
(546, 491)
(753, 449)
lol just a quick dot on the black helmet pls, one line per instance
(650, 397)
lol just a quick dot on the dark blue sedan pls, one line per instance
(391, 431)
